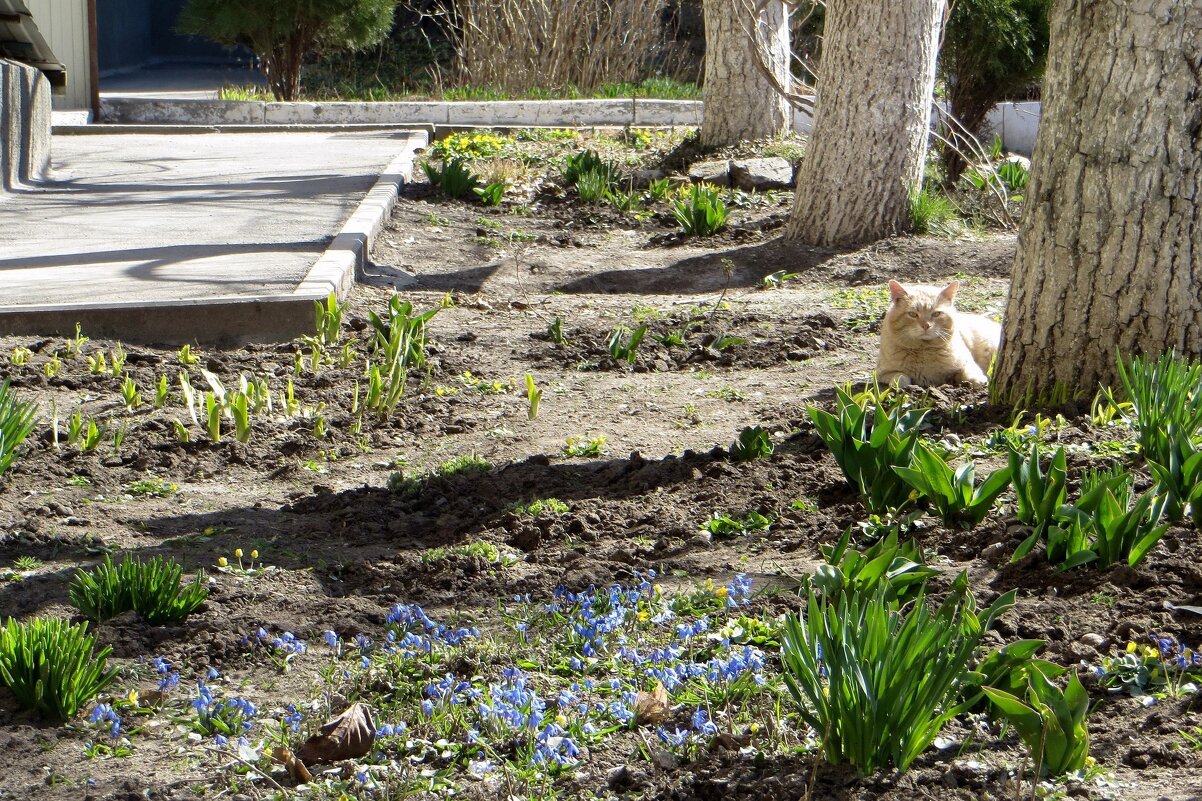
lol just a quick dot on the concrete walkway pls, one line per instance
(164, 237)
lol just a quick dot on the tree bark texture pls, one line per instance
(868, 146)
(1110, 243)
(740, 101)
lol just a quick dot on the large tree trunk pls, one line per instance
(871, 123)
(1110, 244)
(740, 102)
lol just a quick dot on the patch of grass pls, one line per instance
(152, 487)
(933, 213)
(485, 551)
(411, 484)
(867, 304)
(579, 447)
(540, 507)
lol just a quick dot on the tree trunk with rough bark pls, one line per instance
(740, 101)
(868, 146)
(1110, 244)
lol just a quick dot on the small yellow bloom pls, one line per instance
(237, 553)
(254, 554)
(1130, 647)
(721, 592)
(132, 697)
(659, 589)
(753, 728)
(561, 720)
(644, 616)
(223, 562)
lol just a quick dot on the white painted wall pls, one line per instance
(64, 23)
(1016, 122)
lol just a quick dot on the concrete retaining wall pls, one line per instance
(24, 125)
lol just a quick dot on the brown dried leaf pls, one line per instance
(652, 707)
(296, 768)
(347, 736)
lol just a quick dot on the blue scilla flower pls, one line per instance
(213, 675)
(673, 739)
(169, 682)
(330, 639)
(702, 723)
(427, 708)
(160, 664)
(293, 717)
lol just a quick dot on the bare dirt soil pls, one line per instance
(342, 547)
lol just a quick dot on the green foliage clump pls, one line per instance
(1051, 723)
(283, 33)
(753, 443)
(17, 419)
(454, 178)
(469, 145)
(51, 667)
(1165, 397)
(953, 493)
(702, 213)
(152, 588)
(877, 680)
(933, 213)
(869, 439)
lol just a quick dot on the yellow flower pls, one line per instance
(223, 562)
(254, 554)
(132, 697)
(237, 553)
(1130, 647)
(644, 616)
(753, 728)
(659, 589)
(721, 592)
(561, 720)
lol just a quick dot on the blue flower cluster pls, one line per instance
(287, 642)
(105, 716)
(170, 678)
(411, 618)
(228, 717)
(1174, 654)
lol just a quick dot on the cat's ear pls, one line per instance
(897, 291)
(949, 291)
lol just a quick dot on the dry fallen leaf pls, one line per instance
(347, 736)
(296, 768)
(652, 707)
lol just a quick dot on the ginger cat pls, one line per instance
(925, 341)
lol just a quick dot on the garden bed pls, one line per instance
(434, 506)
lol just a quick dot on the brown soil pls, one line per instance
(344, 549)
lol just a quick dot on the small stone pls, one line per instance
(1096, 641)
(760, 174)
(711, 172)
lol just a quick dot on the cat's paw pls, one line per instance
(974, 379)
(899, 380)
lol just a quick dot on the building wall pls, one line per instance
(64, 23)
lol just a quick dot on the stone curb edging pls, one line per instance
(232, 320)
(567, 113)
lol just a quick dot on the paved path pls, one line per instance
(184, 218)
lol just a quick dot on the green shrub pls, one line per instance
(283, 33)
(876, 681)
(869, 440)
(1051, 723)
(17, 419)
(1180, 478)
(50, 666)
(453, 178)
(956, 497)
(492, 194)
(992, 50)
(703, 213)
(153, 589)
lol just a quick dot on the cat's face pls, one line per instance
(922, 314)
